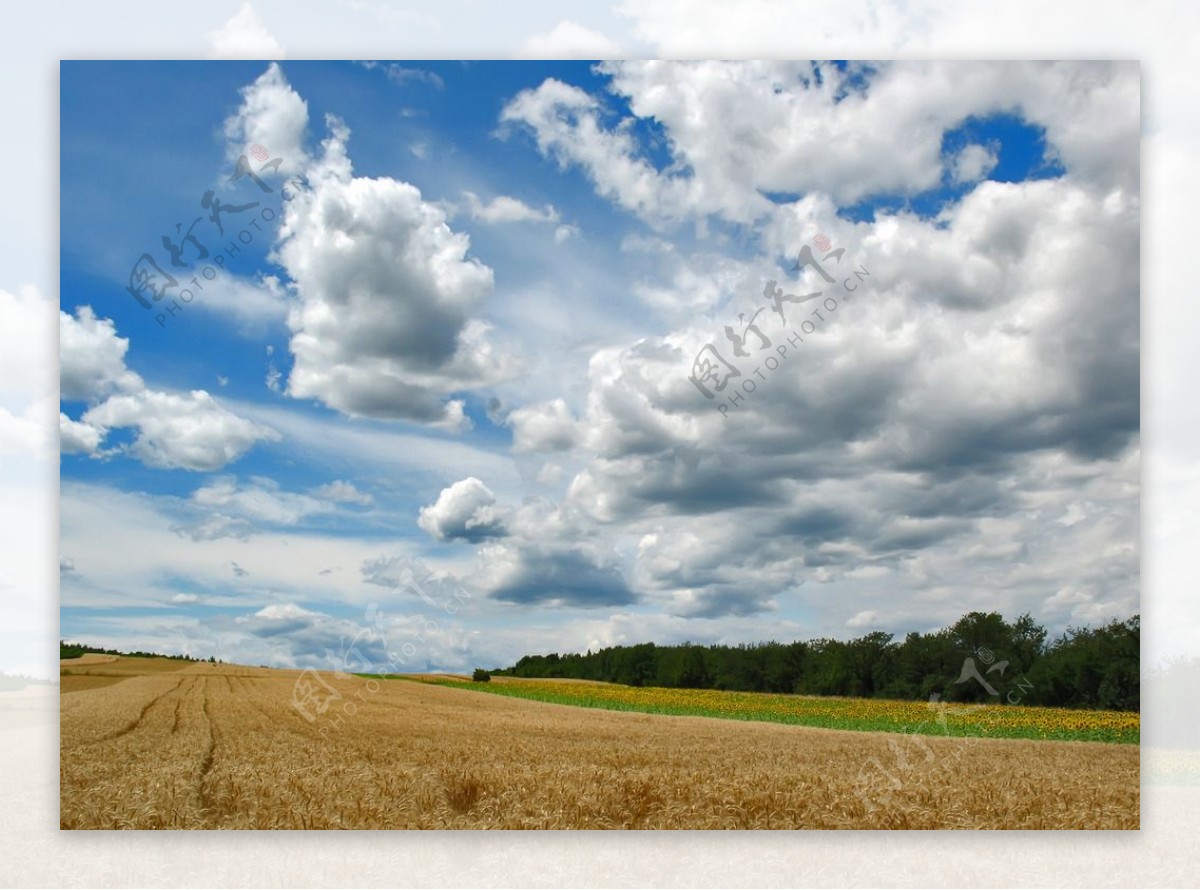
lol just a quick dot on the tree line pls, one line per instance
(980, 658)
(75, 650)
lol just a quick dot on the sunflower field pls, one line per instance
(880, 715)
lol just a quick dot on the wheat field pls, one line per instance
(165, 744)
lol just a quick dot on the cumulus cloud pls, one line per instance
(280, 618)
(865, 619)
(76, 437)
(244, 36)
(92, 357)
(960, 433)
(272, 115)
(171, 430)
(385, 323)
(189, 431)
(546, 426)
(545, 556)
(465, 511)
(567, 124)
(890, 440)
(579, 575)
(739, 132)
(384, 319)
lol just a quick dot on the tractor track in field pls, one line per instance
(137, 721)
(204, 793)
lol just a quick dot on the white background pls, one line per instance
(1165, 36)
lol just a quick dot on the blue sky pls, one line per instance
(453, 371)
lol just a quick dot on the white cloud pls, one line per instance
(546, 426)
(738, 131)
(27, 382)
(26, 333)
(568, 40)
(403, 75)
(503, 209)
(843, 473)
(25, 434)
(566, 122)
(384, 322)
(102, 525)
(972, 163)
(388, 639)
(271, 115)
(550, 474)
(342, 492)
(244, 37)
(867, 618)
(880, 445)
(76, 437)
(215, 527)
(464, 511)
(92, 357)
(173, 430)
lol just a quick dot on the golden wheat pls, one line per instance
(179, 745)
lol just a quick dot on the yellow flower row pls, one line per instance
(1003, 720)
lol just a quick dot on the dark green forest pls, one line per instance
(1083, 668)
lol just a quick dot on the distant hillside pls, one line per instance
(74, 650)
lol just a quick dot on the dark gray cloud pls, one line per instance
(904, 430)
(563, 575)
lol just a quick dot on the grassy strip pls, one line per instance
(872, 715)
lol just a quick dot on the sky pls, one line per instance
(446, 394)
